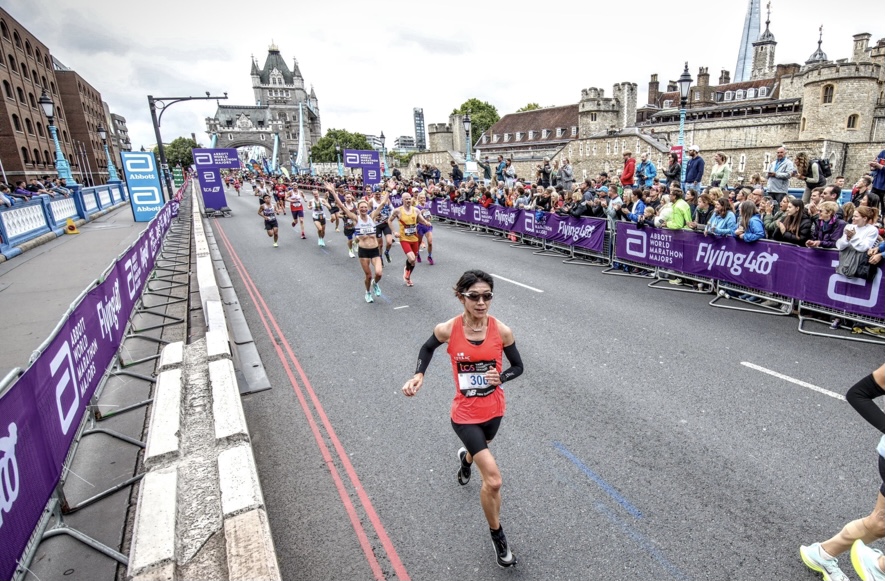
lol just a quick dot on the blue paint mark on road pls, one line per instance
(605, 486)
(643, 542)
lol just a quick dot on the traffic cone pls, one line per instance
(70, 227)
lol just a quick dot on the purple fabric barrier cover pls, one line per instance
(40, 413)
(587, 233)
(806, 274)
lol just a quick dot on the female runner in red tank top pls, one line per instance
(476, 343)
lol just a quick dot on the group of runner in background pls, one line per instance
(365, 214)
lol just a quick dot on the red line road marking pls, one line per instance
(260, 304)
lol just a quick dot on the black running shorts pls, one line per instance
(477, 436)
(368, 252)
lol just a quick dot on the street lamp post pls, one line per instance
(684, 83)
(61, 164)
(112, 171)
(384, 156)
(162, 103)
(310, 161)
(338, 156)
(467, 132)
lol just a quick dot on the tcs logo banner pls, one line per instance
(143, 179)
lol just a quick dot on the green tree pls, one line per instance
(324, 149)
(403, 158)
(179, 152)
(529, 107)
(482, 116)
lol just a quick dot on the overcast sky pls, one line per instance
(371, 63)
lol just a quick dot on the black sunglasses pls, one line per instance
(476, 296)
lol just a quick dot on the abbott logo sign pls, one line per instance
(202, 158)
(139, 163)
(351, 159)
(636, 243)
(143, 180)
(836, 289)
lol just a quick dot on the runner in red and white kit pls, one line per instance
(296, 206)
(476, 342)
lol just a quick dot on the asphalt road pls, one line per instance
(636, 444)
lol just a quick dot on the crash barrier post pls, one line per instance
(45, 410)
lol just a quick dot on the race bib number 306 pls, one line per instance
(471, 378)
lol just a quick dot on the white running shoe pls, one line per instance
(829, 568)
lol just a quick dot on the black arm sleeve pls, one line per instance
(513, 357)
(861, 396)
(426, 353)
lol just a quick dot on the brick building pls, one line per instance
(85, 114)
(26, 148)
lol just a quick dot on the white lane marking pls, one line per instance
(793, 380)
(537, 290)
(402, 307)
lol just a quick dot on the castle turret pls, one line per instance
(861, 51)
(819, 56)
(763, 53)
(625, 95)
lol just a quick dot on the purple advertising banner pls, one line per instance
(41, 412)
(801, 273)
(217, 158)
(212, 188)
(367, 160)
(208, 163)
(587, 233)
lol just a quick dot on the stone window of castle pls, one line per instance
(495, 138)
(763, 91)
(229, 136)
(802, 127)
(742, 164)
(592, 116)
(544, 133)
(581, 150)
(559, 132)
(853, 121)
(519, 135)
(262, 137)
(827, 94)
(506, 137)
(594, 149)
(574, 131)
(531, 133)
(608, 148)
(697, 95)
(767, 160)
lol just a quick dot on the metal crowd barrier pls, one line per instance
(864, 324)
(57, 506)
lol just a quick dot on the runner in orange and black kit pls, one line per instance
(409, 217)
(476, 342)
